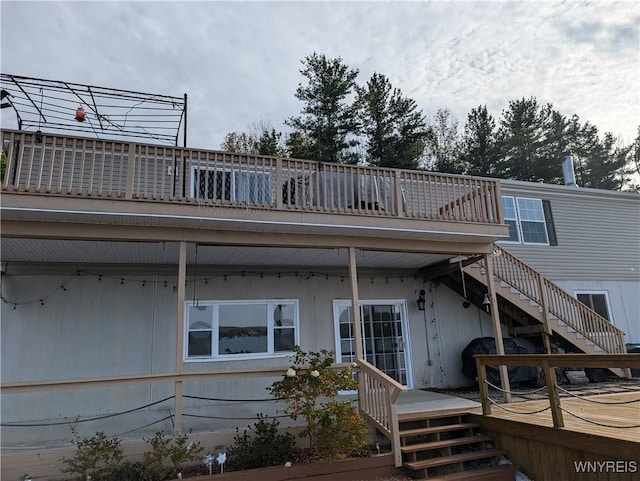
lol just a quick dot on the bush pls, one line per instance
(309, 388)
(265, 447)
(97, 456)
(131, 472)
(168, 453)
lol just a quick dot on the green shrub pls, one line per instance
(167, 454)
(263, 447)
(343, 432)
(97, 456)
(131, 472)
(309, 388)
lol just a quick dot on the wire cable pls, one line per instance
(495, 403)
(599, 424)
(595, 401)
(96, 418)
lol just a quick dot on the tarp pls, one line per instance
(487, 345)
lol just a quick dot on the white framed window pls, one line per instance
(529, 220)
(249, 329)
(597, 300)
(232, 185)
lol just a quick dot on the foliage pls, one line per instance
(328, 119)
(262, 139)
(97, 456)
(394, 127)
(343, 432)
(168, 453)
(309, 388)
(443, 144)
(263, 447)
(480, 154)
(130, 472)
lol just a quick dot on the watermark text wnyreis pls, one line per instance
(610, 466)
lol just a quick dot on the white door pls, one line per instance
(384, 332)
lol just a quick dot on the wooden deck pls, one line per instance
(613, 420)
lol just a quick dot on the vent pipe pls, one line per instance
(567, 170)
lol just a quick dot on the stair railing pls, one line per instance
(554, 300)
(378, 397)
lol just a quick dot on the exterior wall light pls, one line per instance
(421, 301)
(486, 302)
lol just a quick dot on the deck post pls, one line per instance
(182, 277)
(552, 392)
(497, 331)
(131, 168)
(481, 369)
(357, 328)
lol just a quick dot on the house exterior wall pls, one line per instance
(100, 327)
(598, 249)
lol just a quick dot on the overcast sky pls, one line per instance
(239, 61)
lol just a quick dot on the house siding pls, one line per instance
(103, 326)
(598, 233)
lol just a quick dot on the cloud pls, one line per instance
(240, 61)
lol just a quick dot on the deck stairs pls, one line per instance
(556, 310)
(443, 446)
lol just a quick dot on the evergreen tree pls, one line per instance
(328, 120)
(393, 125)
(521, 138)
(298, 146)
(443, 144)
(479, 149)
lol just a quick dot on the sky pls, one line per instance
(239, 62)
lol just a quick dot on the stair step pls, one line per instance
(437, 429)
(423, 416)
(453, 459)
(494, 473)
(445, 443)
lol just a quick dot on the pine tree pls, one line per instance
(392, 124)
(480, 153)
(443, 144)
(328, 119)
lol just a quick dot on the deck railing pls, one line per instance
(377, 398)
(548, 363)
(558, 302)
(66, 165)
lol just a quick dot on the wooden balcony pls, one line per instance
(181, 183)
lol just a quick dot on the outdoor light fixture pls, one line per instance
(486, 302)
(421, 300)
(466, 304)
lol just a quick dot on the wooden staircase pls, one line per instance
(557, 310)
(444, 447)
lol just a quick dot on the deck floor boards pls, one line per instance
(612, 419)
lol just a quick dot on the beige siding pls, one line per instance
(598, 233)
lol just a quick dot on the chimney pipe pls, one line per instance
(567, 170)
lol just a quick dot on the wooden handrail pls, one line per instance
(548, 362)
(378, 402)
(70, 165)
(556, 301)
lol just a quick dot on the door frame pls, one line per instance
(404, 318)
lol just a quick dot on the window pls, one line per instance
(240, 329)
(529, 220)
(236, 185)
(597, 300)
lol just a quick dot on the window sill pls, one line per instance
(238, 357)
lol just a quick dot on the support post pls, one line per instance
(545, 314)
(355, 302)
(357, 328)
(481, 369)
(131, 169)
(182, 277)
(552, 392)
(495, 318)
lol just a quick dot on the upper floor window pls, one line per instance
(240, 329)
(529, 220)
